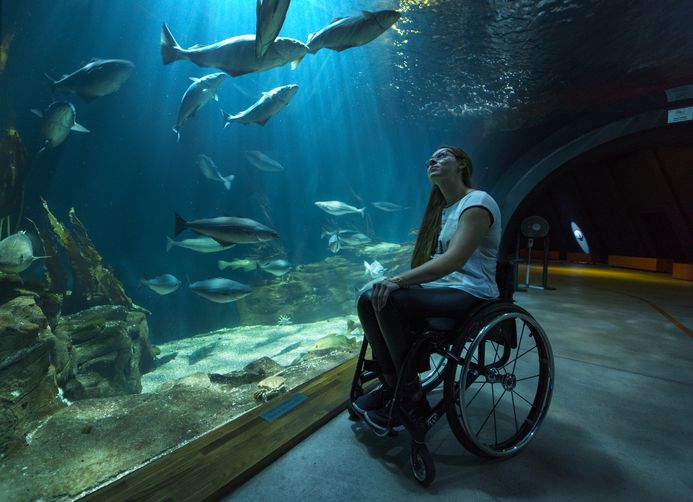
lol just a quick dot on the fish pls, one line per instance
(347, 32)
(337, 208)
(202, 353)
(352, 238)
(262, 161)
(236, 55)
(228, 229)
(271, 103)
(56, 123)
(210, 170)
(162, 285)
(374, 269)
(270, 19)
(17, 253)
(275, 267)
(196, 96)
(220, 290)
(351, 326)
(5, 50)
(334, 243)
(242, 264)
(202, 244)
(99, 77)
(389, 206)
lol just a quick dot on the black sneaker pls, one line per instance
(380, 420)
(374, 400)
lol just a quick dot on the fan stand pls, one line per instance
(545, 269)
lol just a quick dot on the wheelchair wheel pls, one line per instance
(499, 392)
(433, 377)
(422, 465)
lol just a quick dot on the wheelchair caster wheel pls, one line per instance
(422, 465)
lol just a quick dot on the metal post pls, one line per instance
(530, 243)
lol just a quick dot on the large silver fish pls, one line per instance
(270, 18)
(262, 161)
(56, 123)
(265, 108)
(228, 229)
(220, 290)
(196, 96)
(236, 55)
(98, 78)
(211, 171)
(202, 244)
(162, 285)
(346, 32)
(337, 208)
(389, 206)
(17, 253)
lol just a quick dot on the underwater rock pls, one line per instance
(28, 388)
(251, 373)
(12, 286)
(93, 283)
(111, 351)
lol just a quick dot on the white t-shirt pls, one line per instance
(478, 276)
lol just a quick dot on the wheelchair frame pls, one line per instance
(464, 353)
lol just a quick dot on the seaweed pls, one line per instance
(92, 282)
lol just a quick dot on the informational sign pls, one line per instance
(274, 413)
(680, 115)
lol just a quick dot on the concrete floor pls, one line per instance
(619, 428)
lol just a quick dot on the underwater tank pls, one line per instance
(195, 192)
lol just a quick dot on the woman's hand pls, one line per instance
(380, 293)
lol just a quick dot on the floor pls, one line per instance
(620, 425)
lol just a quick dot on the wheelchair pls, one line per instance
(497, 373)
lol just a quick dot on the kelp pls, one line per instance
(92, 282)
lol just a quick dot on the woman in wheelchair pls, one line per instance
(453, 268)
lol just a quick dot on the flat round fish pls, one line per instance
(220, 290)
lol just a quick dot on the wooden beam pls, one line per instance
(213, 465)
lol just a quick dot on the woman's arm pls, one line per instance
(473, 226)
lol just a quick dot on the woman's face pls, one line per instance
(442, 165)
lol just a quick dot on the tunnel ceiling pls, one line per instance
(520, 69)
(528, 79)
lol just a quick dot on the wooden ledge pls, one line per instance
(211, 466)
(641, 263)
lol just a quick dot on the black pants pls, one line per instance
(389, 331)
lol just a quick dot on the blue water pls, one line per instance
(349, 135)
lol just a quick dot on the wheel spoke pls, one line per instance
(476, 394)
(518, 357)
(519, 345)
(526, 378)
(512, 398)
(492, 412)
(522, 397)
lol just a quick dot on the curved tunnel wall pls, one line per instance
(628, 192)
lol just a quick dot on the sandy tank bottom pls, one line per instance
(94, 441)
